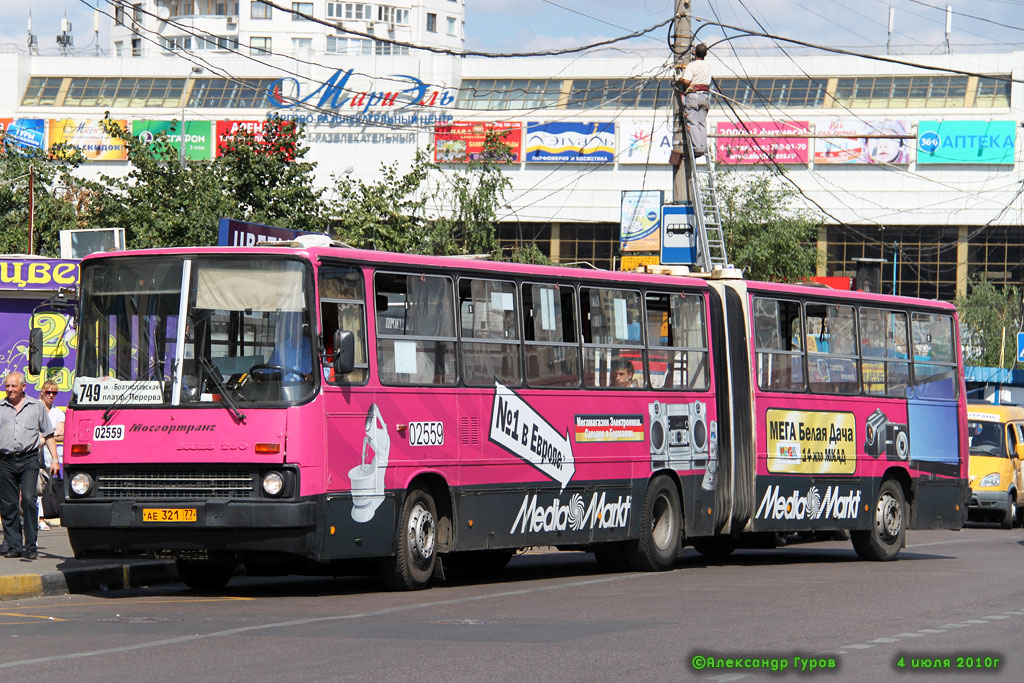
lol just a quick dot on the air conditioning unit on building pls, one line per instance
(80, 243)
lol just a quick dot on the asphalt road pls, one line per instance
(557, 617)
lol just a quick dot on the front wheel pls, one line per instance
(658, 545)
(416, 548)
(882, 542)
(1010, 513)
(204, 575)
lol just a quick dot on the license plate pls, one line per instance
(169, 515)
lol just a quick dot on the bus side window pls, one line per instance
(676, 341)
(489, 333)
(343, 307)
(415, 329)
(831, 349)
(886, 370)
(613, 353)
(549, 329)
(935, 369)
(778, 341)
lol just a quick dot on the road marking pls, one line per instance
(320, 620)
(857, 646)
(885, 640)
(933, 630)
(954, 626)
(30, 616)
(996, 616)
(966, 540)
(909, 635)
(977, 621)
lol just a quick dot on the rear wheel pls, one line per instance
(658, 545)
(205, 575)
(416, 546)
(882, 542)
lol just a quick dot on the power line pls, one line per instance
(969, 16)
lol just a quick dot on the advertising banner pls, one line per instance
(645, 143)
(60, 343)
(88, 135)
(966, 142)
(738, 143)
(851, 146)
(640, 224)
(574, 143)
(228, 129)
(811, 442)
(232, 233)
(28, 133)
(460, 142)
(198, 136)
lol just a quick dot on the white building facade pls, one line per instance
(938, 198)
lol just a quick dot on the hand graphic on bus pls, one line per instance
(368, 476)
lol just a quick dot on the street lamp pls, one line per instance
(184, 101)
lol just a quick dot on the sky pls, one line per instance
(528, 25)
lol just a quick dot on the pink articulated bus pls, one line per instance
(325, 410)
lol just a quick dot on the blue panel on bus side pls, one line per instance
(934, 437)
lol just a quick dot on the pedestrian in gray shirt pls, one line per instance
(23, 421)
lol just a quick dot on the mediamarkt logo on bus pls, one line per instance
(810, 506)
(574, 515)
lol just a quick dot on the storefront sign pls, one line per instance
(198, 136)
(851, 146)
(574, 143)
(464, 141)
(89, 136)
(966, 142)
(645, 143)
(28, 274)
(748, 148)
(228, 129)
(337, 92)
(640, 220)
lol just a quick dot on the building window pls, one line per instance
(137, 13)
(259, 45)
(393, 15)
(353, 11)
(776, 92)
(124, 92)
(206, 8)
(300, 8)
(119, 48)
(618, 93)
(992, 92)
(208, 42)
(224, 93)
(488, 94)
(431, 22)
(302, 45)
(349, 46)
(136, 47)
(172, 43)
(42, 91)
(381, 48)
(119, 14)
(261, 10)
(451, 26)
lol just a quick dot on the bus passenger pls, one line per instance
(622, 373)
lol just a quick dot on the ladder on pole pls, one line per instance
(710, 236)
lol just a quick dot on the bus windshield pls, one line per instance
(194, 331)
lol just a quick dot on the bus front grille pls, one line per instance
(175, 484)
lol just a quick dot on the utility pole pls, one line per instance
(681, 38)
(31, 209)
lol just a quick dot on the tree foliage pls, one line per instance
(990, 317)
(58, 197)
(766, 233)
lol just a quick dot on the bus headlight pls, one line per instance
(81, 484)
(273, 483)
(990, 480)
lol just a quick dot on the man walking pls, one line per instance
(696, 80)
(23, 421)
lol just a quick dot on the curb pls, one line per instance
(87, 580)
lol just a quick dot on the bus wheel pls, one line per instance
(715, 548)
(416, 549)
(656, 548)
(204, 575)
(611, 557)
(882, 542)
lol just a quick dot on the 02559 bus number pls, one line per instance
(426, 433)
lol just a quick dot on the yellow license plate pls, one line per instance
(169, 515)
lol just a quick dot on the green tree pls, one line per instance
(57, 197)
(766, 232)
(160, 203)
(990, 317)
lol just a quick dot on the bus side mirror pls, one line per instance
(344, 352)
(1018, 451)
(35, 351)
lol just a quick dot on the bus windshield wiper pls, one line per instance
(218, 381)
(122, 397)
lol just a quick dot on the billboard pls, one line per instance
(739, 143)
(28, 133)
(198, 135)
(966, 142)
(89, 136)
(228, 129)
(573, 143)
(232, 233)
(640, 223)
(460, 142)
(645, 143)
(852, 146)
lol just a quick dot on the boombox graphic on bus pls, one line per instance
(882, 436)
(679, 435)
